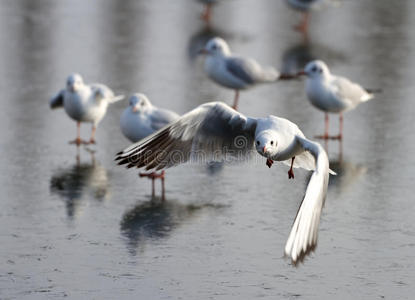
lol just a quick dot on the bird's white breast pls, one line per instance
(323, 96)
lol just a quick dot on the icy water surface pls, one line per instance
(74, 224)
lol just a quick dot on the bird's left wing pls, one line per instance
(304, 232)
(212, 131)
(57, 100)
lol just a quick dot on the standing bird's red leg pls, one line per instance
(92, 140)
(78, 140)
(207, 13)
(340, 136)
(235, 100)
(303, 26)
(326, 128)
(163, 195)
(153, 176)
(290, 171)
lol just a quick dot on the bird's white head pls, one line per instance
(74, 82)
(266, 143)
(316, 69)
(216, 47)
(139, 102)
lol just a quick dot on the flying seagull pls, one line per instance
(215, 129)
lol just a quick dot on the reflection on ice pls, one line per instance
(156, 219)
(347, 174)
(73, 182)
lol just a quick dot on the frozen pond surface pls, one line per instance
(88, 230)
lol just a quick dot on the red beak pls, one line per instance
(135, 109)
(264, 149)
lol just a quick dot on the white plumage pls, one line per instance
(331, 93)
(232, 71)
(84, 103)
(141, 118)
(216, 130)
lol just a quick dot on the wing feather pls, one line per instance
(57, 100)
(304, 232)
(211, 131)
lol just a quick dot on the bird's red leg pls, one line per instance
(78, 140)
(163, 195)
(326, 128)
(92, 140)
(153, 176)
(207, 13)
(235, 100)
(340, 136)
(269, 163)
(303, 26)
(290, 171)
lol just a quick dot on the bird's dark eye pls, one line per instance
(272, 143)
(314, 69)
(214, 47)
(257, 142)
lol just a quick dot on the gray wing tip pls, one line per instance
(302, 255)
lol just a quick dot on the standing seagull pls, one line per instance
(235, 72)
(215, 129)
(84, 103)
(332, 94)
(141, 119)
(304, 6)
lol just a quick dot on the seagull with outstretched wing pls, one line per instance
(216, 130)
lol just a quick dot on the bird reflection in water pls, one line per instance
(296, 57)
(199, 39)
(72, 183)
(157, 219)
(347, 172)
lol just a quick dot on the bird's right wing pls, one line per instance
(57, 100)
(212, 131)
(304, 232)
